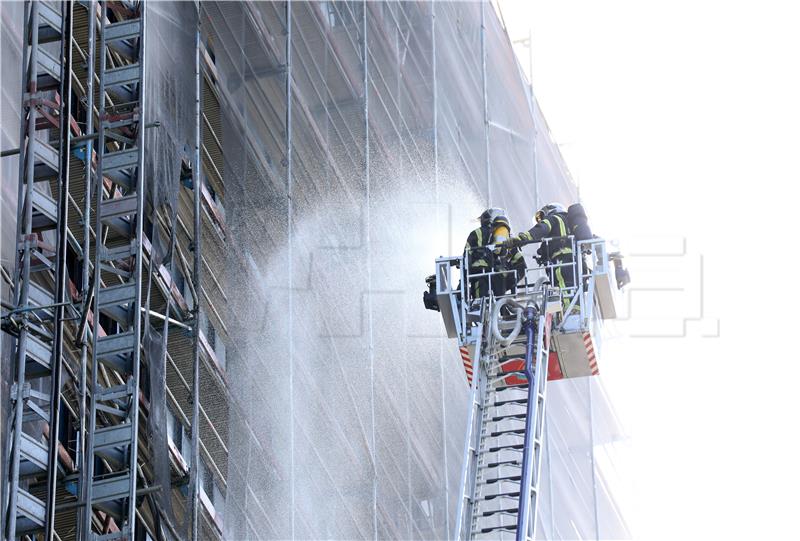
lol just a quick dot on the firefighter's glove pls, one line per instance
(513, 242)
(501, 249)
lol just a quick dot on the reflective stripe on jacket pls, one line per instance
(554, 226)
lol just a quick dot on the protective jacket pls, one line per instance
(481, 259)
(555, 227)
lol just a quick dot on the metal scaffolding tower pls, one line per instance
(102, 274)
(111, 469)
(39, 270)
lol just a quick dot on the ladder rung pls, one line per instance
(113, 536)
(124, 75)
(513, 463)
(111, 488)
(117, 253)
(514, 431)
(115, 344)
(49, 23)
(38, 355)
(123, 30)
(507, 373)
(122, 123)
(45, 212)
(45, 161)
(112, 442)
(48, 71)
(119, 137)
(120, 176)
(117, 295)
(117, 313)
(33, 456)
(511, 401)
(123, 159)
(111, 410)
(502, 479)
(520, 416)
(30, 512)
(35, 413)
(125, 48)
(106, 394)
(121, 269)
(45, 265)
(48, 122)
(490, 529)
(120, 36)
(501, 388)
(513, 446)
(510, 511)
(118, 207)
(39, 296)
(37, 330)
(40, 258)
(501, 495)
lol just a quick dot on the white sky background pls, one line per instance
(681, 120)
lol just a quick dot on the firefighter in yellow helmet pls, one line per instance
(495, 229)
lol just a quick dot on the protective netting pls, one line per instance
(350, 407)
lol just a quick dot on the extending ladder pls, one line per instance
(508, 374)
(39, 273)
(503, 453)
(111, 467)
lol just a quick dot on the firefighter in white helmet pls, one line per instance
(556, 223)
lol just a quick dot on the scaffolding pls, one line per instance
(111, 471)
(40, 265)
(94, 283)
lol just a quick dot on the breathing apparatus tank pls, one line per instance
(578, 223)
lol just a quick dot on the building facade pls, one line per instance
(303, 165)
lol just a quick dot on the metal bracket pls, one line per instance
(17, 395)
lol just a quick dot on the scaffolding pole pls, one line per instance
(290, 218)
(80, 444)
(61, 266)
(438, 225)
(21, 286)
(485, 105)
(197, 183)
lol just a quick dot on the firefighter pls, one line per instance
(495, 229)
(554, 222)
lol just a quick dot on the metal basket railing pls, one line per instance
(454, 280)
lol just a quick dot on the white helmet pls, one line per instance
(548, 210)
(494, 216)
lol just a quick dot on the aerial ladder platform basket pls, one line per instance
(503, 340)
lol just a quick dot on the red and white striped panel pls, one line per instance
(548, 323)
(587, 343)
(467, 360)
